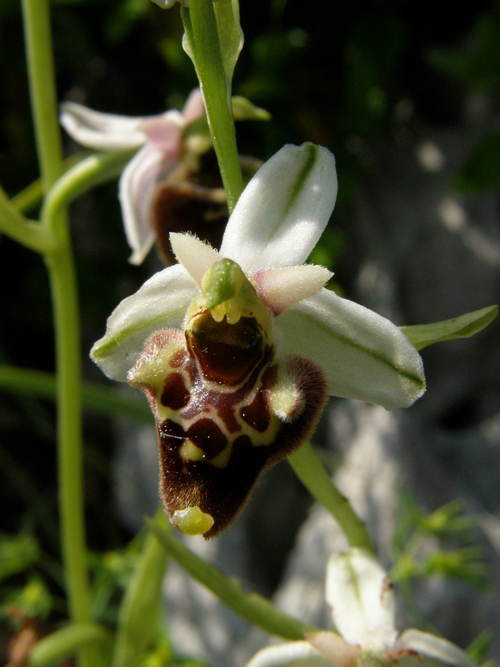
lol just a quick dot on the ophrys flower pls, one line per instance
(361, 597)
(238, 348)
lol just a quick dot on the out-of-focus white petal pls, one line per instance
(362, 600)
(433, 647)
(102, 131)
(194, 107)
(281, 288)
(160, 303)
(363, 355)
(283, 210)
(138, 185)
(294, 654)
(195, 255)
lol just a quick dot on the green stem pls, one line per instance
(28, 233)
(38, 38)
(100, 399)
(251, 606)
(313, 475)
(89, 172)
(63, 644)
(202, 34)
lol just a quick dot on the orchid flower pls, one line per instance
(167, 154)
(363, 609)
(237, 349)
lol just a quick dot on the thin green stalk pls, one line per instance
(27, 232)
(89, 172)
(38, 41)
(202, 34)
(313, 475)
(105, 400)
(36, 14)
(250, 606)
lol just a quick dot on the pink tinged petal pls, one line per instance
(362, 600)
(363, 355)
(164, 132)
(336, 649)
(195, 255)
(283, 210)
(298, 654)
(101, 131)
(282, 288)
(194, 107)
(435, 648)
(138, 185)
(160, 303)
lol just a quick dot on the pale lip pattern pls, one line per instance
(271, 232)
(162, 156)
(363, 610)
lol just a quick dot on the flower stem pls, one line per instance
(250, 606)
(202, 34)
(313, 475)
(36, 14)
(38, 40)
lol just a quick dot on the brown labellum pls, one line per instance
(226, 408)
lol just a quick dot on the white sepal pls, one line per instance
(101, 131)
(363, 355)
(296, 654)
(160, 303)
(362, 600)
(138, 185)
(435, 648)
(283, 210)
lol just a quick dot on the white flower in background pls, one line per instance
(363, 609)
(166, 153)
(236, 349)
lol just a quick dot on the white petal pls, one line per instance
(362, 600)
(102, 131)
(138, 184)
(300, 654)
(363, 355)
(160, 303)
(283, 210)
(281, 288)
(434, 647)
(195, 255)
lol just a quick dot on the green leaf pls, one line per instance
(463, 326)
(243, 109)
(227, 13)
(66, 642)
(17, 554)
(139, 612)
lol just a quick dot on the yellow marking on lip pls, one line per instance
(190, 452)
(192, 521)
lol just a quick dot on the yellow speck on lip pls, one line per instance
(190, 452)
(192, 521)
